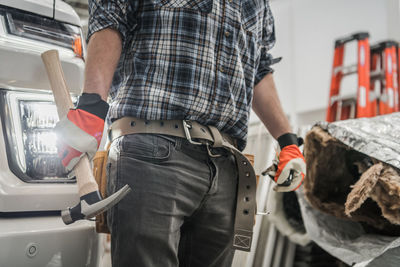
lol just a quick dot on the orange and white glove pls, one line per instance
(81, 130)
(289, 167)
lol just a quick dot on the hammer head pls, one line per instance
(92, 204)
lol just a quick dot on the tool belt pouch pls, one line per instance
(100, 174)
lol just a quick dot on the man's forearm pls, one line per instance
(103, 53)
(268, 108)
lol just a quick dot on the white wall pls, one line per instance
(393, 19)
(305, 31)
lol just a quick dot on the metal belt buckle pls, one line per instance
(186, 127)
(211, 154)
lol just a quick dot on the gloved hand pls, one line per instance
(289, 167)
(81, 130)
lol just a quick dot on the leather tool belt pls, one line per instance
(210, 136)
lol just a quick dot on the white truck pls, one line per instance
(34, 186)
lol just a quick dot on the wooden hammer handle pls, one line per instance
(83, 171)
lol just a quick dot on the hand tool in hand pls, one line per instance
(91, 203)
(288, 168)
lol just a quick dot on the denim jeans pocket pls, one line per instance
(148, 147)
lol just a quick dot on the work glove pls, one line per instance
(81, 130)
(289, 167)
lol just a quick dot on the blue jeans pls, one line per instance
(182, 205)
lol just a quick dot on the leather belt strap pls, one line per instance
(193, 131)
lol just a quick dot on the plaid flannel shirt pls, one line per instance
(188, 59)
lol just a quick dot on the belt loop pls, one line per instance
(218, 139)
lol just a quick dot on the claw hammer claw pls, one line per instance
(91, 203)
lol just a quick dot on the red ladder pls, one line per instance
(384, 68)
(358, 104)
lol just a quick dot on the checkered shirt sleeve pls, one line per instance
(108, 14)
(268, 41)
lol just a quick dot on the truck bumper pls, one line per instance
(47, 241)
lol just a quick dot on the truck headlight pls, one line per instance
(28, 121)
(39, 28)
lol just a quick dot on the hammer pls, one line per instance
(91, 202)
